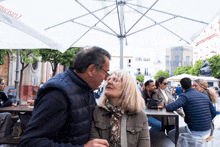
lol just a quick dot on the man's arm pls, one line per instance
(49, 116)
(212, 109)
(180, 102)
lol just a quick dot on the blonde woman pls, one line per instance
(121, 96)
(201, 85)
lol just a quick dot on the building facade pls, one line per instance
(178, 57)
(207, 44)
(33, 75)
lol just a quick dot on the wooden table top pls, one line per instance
(19, 108)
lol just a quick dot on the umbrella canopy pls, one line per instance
(106, 23)
(179, 77)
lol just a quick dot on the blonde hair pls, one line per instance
(212, 94)
(131, 99)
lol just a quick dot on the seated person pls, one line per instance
(6, 120)
(162, 93)
(121, 96)
(147, 93)
(201, 85)
(4, 101)
(198, 109)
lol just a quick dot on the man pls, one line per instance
(198, 109)
(63, 107)
(139, 86)
(147, 93)
(179, 90)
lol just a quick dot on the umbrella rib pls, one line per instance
(100, 20)
(96, 16)
(77, 17)
(171, 14)
(143, 15)
(160, 24)
(95, 28)
(118, 17)
(174, 34)
(151, 26)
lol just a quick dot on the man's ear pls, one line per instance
(91, 70)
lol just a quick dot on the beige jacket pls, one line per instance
(136, 126)
(159, 96)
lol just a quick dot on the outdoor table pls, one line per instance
(164, 113)
(19, 108)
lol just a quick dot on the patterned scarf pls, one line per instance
(116, 114)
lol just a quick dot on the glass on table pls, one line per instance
(14, 102)
(160, 105)
(30, 101)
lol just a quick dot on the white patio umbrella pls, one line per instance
(106, 23)
(179, 77)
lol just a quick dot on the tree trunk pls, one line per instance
(55, 69)
(20, 83)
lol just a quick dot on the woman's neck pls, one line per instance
(114, 101)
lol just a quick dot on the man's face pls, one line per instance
(101, 75)
(151, 87)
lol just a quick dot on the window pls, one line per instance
(129, 62)
(177, 60)
(188, 60)
(167, 60)
(35, 65)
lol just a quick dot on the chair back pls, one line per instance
(193, 140)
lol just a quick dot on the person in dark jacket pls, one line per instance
(4, 101)
(64, 105)
(147, 93)
(179, 90)
(198, 109)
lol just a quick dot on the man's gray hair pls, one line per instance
(94, 55)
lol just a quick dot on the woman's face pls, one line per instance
(2, 85)
(197, 87)
(113, 87)
(164, 84)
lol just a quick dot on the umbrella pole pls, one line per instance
(121, 14)
(17, 71)
(121, 52)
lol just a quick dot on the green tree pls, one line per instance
(161, 73)
(196, 69)
(140, 78)
(215, 65)
(177, 71)
(184, 69)
(55, 57)
(27, 56)
(3, 53)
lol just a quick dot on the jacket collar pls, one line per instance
(190, 89)
(78, 80)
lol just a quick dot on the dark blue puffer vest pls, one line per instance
(79, 95)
